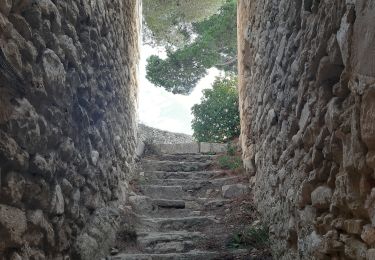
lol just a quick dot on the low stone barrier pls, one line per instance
(192, 148)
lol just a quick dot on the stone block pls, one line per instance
(370, 254)
(213, 147)
(321, 197)
(368, 235)
(234, 190)
(12, 226)
(140, 149)
(57, 203)
(179, 148)
(5, 6)
(353, 226)
(142, 204)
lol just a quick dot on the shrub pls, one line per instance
(231, 150)
(230, 162)
(217, 118)
(251, 236)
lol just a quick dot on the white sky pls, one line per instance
(164, 110)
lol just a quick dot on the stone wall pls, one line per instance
(307, 101)
(68, 98)
(157, 136)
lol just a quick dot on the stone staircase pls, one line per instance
(180, 207)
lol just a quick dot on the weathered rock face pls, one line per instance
(68, 100)
(307, 100)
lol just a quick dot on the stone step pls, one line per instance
(163, 192)
(184, 175)
(164, 203)
(173, 212)
(181, 192)
(188, 184)
(192, 223)
(240, 254)
(173, 166)
(192, 255)
(168, 242)
(185, 157)
(144, 205)
(208, 203)
(197, 207)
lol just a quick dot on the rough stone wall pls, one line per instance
(307, 101)
(158, 136)
(68, 98)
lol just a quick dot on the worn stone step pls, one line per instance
(207, 203)
(240, 254)
(183, 175)
(168, 242)
(192, 223)
(188, 184)
(185, 157)
(165, 203)
(163, 192)
(173, 166)
(187, 192)
(192, 255)
(173, 212)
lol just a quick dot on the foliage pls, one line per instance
(230, 162)
(215, 46)
(170, 21)
(231, 149)
(251, 236)
(216, 118)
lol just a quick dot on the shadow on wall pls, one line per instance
(307, 98)
(67, 124)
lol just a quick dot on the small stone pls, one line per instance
(114, 251)
(305, 116)
(271, 118)
(354, 249)
(370, 254)
(368, 119)
(353, 226)
(15, 256)
(304, 194)
(368, 235)
(5, 6)
(67, 187)
(343, 37)
(70, 50)
(370, 159)
(57, 203)
(14, 186)
(94, 157)
(21, 26)
(12, 226)
(332, 116)
(54, 73)
(11, 153)
(321, 197)
(40, 166)
(67, 150)
(38, 220)
(234, 190)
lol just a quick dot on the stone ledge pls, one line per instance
(186, 148)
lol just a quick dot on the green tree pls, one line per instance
(168, 22)
(215, 46)
(216, 118)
